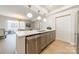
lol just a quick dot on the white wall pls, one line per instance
(4, 19)
(73, 15)
(37, 25)
(2, 22)
(50, 22)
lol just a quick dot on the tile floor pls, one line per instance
(8, 45)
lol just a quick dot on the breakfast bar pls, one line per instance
(33, 42)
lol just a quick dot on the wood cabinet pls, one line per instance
(47, 38)
(36, 43)
(43, 40)
(77, 43)
(53, 35)
(31, 45)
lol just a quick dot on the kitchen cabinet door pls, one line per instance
(31, 47)
(48, 37)
(53, 35)
(43, 41)
(77, 43)
(38, 43)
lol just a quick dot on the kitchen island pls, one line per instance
(33, 42)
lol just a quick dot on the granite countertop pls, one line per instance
(32, 32)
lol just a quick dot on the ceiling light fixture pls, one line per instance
(39, 18)
(44, 20)
(30, 15)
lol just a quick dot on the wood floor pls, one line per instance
(59, 47)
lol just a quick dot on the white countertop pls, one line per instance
(32, 32)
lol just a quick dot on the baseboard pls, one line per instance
(67, 42)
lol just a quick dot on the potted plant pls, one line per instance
(49, 28)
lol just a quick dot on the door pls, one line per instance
(65, 28)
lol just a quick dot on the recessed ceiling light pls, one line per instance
(44, 19)
(39, 17)
(30, 15)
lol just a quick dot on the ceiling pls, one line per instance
(50, 8)
(20, 11)
(16, 11)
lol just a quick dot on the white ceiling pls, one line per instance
(16, 11)
(50, 8)
(20, 11)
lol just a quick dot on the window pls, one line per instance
(15, 25)
(21, 25)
